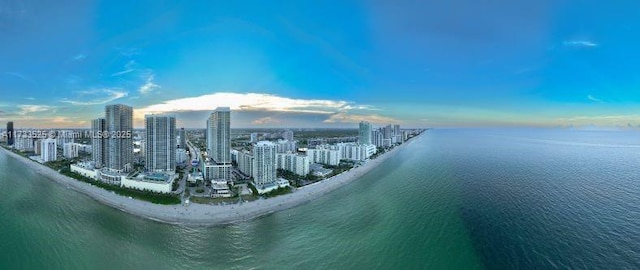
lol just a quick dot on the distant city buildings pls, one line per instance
(160, 149)
(286, 146)
(387, 136)
(254, 137)
(287, 135)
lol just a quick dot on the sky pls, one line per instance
(457, 63)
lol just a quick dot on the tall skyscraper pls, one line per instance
(183, 139)
(264, 163)
(254, 137)
(219, 144)
(10, 134)
(119, 145)
(365, 133)
(160, 150)
(98, 143)
(219, 133)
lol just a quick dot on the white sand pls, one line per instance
(201, 214)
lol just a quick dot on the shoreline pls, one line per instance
(203, 214)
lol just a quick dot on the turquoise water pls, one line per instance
(454, 199)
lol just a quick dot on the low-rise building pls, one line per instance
(85, 169)
(292, 162)
(324, 156)
(70, 150)
(154, 182)
(49, 150)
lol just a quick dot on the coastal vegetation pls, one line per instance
(153, 197)
(277, 192)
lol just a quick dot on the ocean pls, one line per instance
(453, 199)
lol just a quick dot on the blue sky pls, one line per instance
(323, 63)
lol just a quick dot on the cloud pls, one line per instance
(29, 109)
(592, 98)
(344, 117)
(128, 52)
(79, 57)
(96, 97)
(253, 102)
(148, 86)
(128, 68)
(265, 121)
(580, 43)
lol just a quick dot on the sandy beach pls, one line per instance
(207, 215)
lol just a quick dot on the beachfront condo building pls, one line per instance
(70, 150)
(49, 150)
(219, 144)
(119, 144)
(324, 156)
(98, 143)
(364, 133)
(264, 163)
(294, 163)
(160, 149)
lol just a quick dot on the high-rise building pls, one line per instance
(10, 134)
(160, 150)
(254, 137)
(219, 135)
(98, 142)
(287, 135)
(264, 163)
(364, 133)
(49, 150)
(219, 144)
(183, 139)
(119, 145)
(377, 138)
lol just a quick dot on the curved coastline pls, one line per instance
(209, 215)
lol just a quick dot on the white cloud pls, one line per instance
(28, 109)
(343, 117)
(79, 57)
(253, 102)
(580, 43)
(148, 86)
(96, 97)
(592, 98)
(128, 68)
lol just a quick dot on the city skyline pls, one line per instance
(520, 63)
